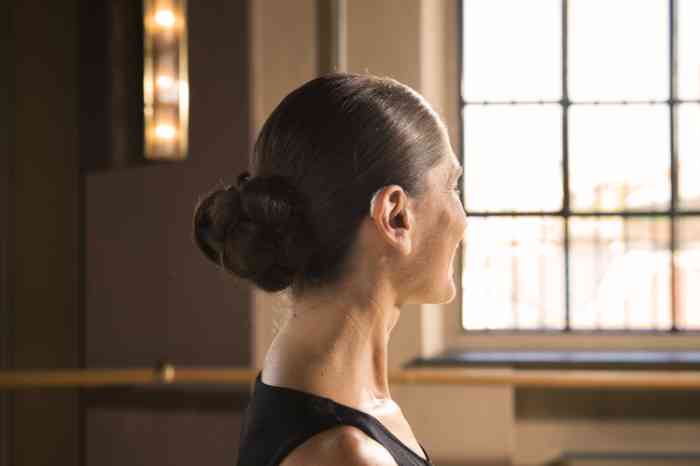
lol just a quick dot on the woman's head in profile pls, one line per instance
(352, 184)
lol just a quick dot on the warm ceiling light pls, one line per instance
(165, 80)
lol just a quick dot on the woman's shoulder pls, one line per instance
(342, 445)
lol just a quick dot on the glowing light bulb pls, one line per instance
(165, 81)
(165, 18)
(165, 132)
(167, 88)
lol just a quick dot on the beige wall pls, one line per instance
(414, 41)
(538, 441)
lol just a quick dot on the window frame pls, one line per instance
(458, 337)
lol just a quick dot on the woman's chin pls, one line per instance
(441, 293)
(448, 292)
(452, 290)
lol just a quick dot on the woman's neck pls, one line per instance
(339, 346)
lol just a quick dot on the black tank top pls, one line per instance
(279, 419)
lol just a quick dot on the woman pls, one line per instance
(352, 204)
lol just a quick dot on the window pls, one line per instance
(581, 126)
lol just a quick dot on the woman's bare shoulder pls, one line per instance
(340, 446)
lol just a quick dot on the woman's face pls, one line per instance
(441, 222)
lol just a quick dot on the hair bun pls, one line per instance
(213, 215)
(256, 230)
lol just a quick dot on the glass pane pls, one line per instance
(619, 157)
(620, 273)
(514, 274)
(688, 49)
(513, 158)
(618, 50)
(689, 155)
(688, 263)
(512, 49)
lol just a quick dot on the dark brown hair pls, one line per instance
(319, 158)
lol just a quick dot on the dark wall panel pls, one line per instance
(7, 118)
(149, 293)
(43, 221)
(178, 438)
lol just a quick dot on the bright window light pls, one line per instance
(582, 165)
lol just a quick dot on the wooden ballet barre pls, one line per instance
(169, 374)
(78, 378)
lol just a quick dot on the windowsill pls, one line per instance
(565, 359)
(552, 403)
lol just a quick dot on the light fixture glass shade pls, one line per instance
(165, 81)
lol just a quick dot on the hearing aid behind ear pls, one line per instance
(374, 198)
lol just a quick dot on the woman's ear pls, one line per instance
(393, 217)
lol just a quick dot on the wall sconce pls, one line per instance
(165, 81)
